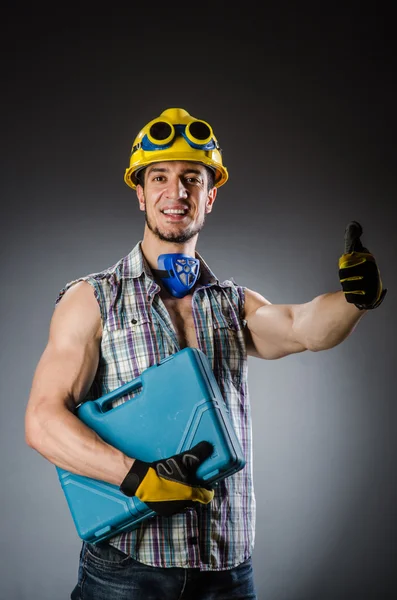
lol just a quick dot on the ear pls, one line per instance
(141, 197)
(210, 199)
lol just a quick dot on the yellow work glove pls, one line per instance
(358, 272)
(169, 485)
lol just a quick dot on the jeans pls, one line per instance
(105, 573)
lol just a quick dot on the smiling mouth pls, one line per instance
(175, 211)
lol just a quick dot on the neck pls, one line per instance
(152, 247)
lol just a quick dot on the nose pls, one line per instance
(176, 189)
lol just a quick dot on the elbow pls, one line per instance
(32, 431)
(314, 345)
(322, 344)
(302, 344)
(315, 348)
(35, 418)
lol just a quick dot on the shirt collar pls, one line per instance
(135, 265)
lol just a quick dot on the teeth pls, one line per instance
(174, 211)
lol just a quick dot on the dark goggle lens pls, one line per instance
(160, 131)
(199, 130)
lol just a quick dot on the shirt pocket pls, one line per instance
(128, 350)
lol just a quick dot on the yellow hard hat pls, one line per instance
(176, 135)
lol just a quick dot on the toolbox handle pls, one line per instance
(104, 401)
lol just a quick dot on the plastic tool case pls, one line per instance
(179, 404)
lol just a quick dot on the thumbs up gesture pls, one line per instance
(358, 272)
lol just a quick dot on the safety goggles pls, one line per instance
(161, 135)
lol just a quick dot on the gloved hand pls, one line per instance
(169, 485)
(358, 272)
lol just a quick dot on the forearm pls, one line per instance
(63, 439)
(325, 321)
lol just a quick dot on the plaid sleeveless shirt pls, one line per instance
(137, 334)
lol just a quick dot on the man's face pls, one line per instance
(175, 199)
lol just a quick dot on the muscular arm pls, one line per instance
(277, 330)
(62, 378)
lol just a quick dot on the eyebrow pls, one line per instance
(165, 170)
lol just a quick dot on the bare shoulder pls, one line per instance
(269, 333)
(68, 364)
(77, 313)
(81, 291)
(253, 301)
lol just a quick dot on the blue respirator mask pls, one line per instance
(178, 273)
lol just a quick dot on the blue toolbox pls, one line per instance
(177, 403)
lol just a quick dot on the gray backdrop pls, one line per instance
(303, 105)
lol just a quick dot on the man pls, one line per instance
(108, 327)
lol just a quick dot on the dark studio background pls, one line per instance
(303, 102)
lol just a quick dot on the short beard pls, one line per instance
(174, 238)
